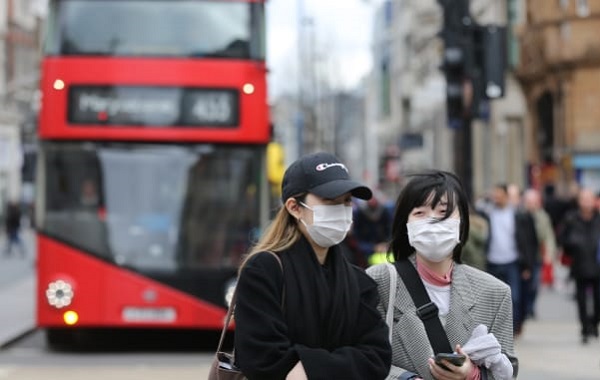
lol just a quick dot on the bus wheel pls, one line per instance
(61, 338)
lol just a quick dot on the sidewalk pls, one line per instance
(18, 310)
(17, 290)
(550, 347)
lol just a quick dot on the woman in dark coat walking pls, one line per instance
(314, 317)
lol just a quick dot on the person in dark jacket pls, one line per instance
(580, 239)
(316, 316)
(13, 225)
(372, 227)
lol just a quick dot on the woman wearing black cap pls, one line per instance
(316, 319)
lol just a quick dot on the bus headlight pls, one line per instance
(248, 89)
(70, 317)
(59, 294)
(59, 84)
(229, 290)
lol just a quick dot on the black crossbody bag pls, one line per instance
(426, 310)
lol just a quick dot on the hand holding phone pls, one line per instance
(454, 358)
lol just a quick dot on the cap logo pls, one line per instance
(325, 166)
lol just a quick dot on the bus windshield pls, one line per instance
(156, 28)
(152, 208)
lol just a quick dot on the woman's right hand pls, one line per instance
(297, 373)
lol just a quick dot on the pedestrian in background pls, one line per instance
(371, 227)
(580, 239)
(430, 223)
(514, 195)
(532, 202)
(473, 252)
(13, 227)
(315, 315)
(512, 247)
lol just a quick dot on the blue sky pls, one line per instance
(343, 31)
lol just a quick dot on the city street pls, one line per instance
(17, 288)
(156, 145)
(549, 348)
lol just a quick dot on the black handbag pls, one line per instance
(223, 366)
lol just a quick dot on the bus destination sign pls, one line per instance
(153, 106)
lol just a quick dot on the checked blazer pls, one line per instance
(476, 298)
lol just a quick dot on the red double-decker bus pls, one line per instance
(151, 175)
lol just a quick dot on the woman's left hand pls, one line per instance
(453, 372)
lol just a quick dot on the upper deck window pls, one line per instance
(156, 28)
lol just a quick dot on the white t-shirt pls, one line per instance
(503, 242)
(440, 296)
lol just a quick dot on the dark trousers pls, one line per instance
(13, 239)
(511, 274)
(589, 313)
(529, 291)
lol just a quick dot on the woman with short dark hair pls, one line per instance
(431, 224)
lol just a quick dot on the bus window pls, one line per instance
(215, 29)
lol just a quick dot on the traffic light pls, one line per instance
(454, 69)
(457, 59)
(474, 62)
(493, 50)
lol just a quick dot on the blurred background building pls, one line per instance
(406, 102)
(543, 132)
(559, 71)
(500, 138)
(20, 41)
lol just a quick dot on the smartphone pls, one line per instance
(456, 359)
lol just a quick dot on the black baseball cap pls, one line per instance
(321, 174)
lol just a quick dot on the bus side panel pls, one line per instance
(106, 295)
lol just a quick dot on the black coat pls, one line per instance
(13, 219)
(527, 240)
(580, 239)
(263, 346)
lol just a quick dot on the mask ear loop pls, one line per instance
(305, 206)
(294, 209)
(302, 204)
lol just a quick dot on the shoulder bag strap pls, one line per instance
(389, 316)
(426, 310)
(231, 309)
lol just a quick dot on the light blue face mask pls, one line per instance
(330, 225)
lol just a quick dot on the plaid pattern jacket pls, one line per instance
(476, 298)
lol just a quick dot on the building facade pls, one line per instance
(559, 70)
(406, 105)
(406, 98)
(500, 136)
(20, 22)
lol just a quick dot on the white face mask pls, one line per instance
(330, 224)
(434, 240)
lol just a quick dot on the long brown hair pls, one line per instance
(280, 235)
